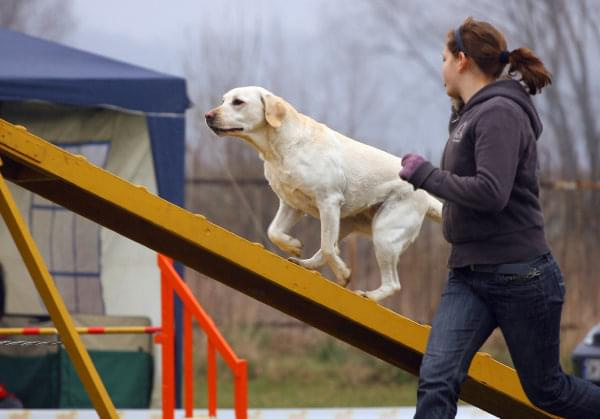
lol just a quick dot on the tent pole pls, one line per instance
(54, 304)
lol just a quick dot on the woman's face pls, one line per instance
(450, 73)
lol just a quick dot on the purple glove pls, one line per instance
(410, 164)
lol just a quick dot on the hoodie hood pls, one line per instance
(512, 90)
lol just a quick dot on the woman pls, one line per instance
(502, 273)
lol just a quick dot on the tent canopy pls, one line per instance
(33, 68)
(36, 69)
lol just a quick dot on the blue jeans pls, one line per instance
(527, 308)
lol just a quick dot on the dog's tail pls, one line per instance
(434, 212)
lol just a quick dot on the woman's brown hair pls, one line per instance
(486, 46)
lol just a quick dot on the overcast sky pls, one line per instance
(157, 33)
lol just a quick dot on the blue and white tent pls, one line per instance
(123, 117)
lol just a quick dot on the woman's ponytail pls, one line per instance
(533, 72)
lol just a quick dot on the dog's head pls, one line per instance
(246, 110)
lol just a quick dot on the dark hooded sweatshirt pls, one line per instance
(489, 179)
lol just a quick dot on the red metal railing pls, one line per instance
(90, 330)
(171, 284)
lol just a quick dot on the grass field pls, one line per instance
(307, 368)
(264, 393)
(310, 370)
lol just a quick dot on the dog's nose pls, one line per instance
(209, 116)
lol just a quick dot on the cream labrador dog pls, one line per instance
(347, 185)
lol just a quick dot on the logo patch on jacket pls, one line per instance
(458, 132)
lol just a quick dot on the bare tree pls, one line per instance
(566, 34)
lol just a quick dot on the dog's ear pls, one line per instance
(274, 110)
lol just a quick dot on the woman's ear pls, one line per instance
(462, 61)
(274, 110)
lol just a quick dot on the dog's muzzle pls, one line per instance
(212, 122)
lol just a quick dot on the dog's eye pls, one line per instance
(237, 102)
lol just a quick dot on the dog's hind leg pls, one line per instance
(395, 226)
(286, 218)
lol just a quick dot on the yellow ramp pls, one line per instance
(130, 210)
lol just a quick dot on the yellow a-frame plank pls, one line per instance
(76, 184)
(54, 304)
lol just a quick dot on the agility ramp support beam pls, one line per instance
(54, 304)
(130, 210)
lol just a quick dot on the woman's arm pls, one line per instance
(497, 147)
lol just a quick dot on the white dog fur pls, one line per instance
(347, 185)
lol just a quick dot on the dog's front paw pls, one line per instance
(305, 263)
(295, 260)
(342, 274)
(295, 248)
(380, 293)
(314, 262)
(344, 281)
(291, 246)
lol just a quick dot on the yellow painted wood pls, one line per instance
(54, 304)
(130, 210)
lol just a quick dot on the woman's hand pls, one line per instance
(410, 164)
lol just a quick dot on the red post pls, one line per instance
(241, 390)
(188, 367)
(212, 379)
(168, 348)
